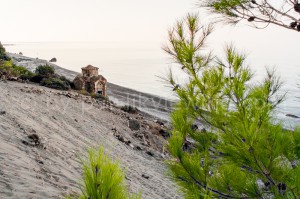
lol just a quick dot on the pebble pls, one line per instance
(40, 162)
(138, 148)
(150, 153)
(145, 176)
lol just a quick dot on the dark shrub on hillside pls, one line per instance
(99, 97)
(63, 78)
(129, 109)
(55, 83)
(27, 76)
(3, 55)
(37, 78)
(46, 71)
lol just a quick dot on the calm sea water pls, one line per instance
(140, 66)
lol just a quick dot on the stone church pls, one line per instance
(91, 81)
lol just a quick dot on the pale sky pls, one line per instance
(136, 22)
(89, 20)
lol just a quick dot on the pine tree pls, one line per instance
(259, 13)
(244, 153)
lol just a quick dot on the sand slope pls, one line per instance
(67, 125)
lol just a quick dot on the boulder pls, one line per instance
(134, 125)
(53, 60)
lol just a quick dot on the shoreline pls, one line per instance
(150, 104)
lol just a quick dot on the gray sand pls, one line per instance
(67, 124)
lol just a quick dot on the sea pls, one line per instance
(143, 67)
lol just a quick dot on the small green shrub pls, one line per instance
(55, 83)
(46, 71)
(93, 95)
(83, 92)
(103, 98)
(129, 109)
(6, 67)
(9, 69)
(99, 97)
(103, 178)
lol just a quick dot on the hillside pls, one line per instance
(44, 132)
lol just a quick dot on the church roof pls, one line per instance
(89, 67)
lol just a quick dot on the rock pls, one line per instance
(129, 109)
(53, 60)
(40, 162)
(56, 178)
(2, 112)
(20, 53)
(34, 138)
(119, 137)
(292, 116)
(69, 95)
(128, 142)
(134, 125)
(145, 176)
(12, 78)
(164, 133)
(138, 148)
(150, 153)
(160, 122)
